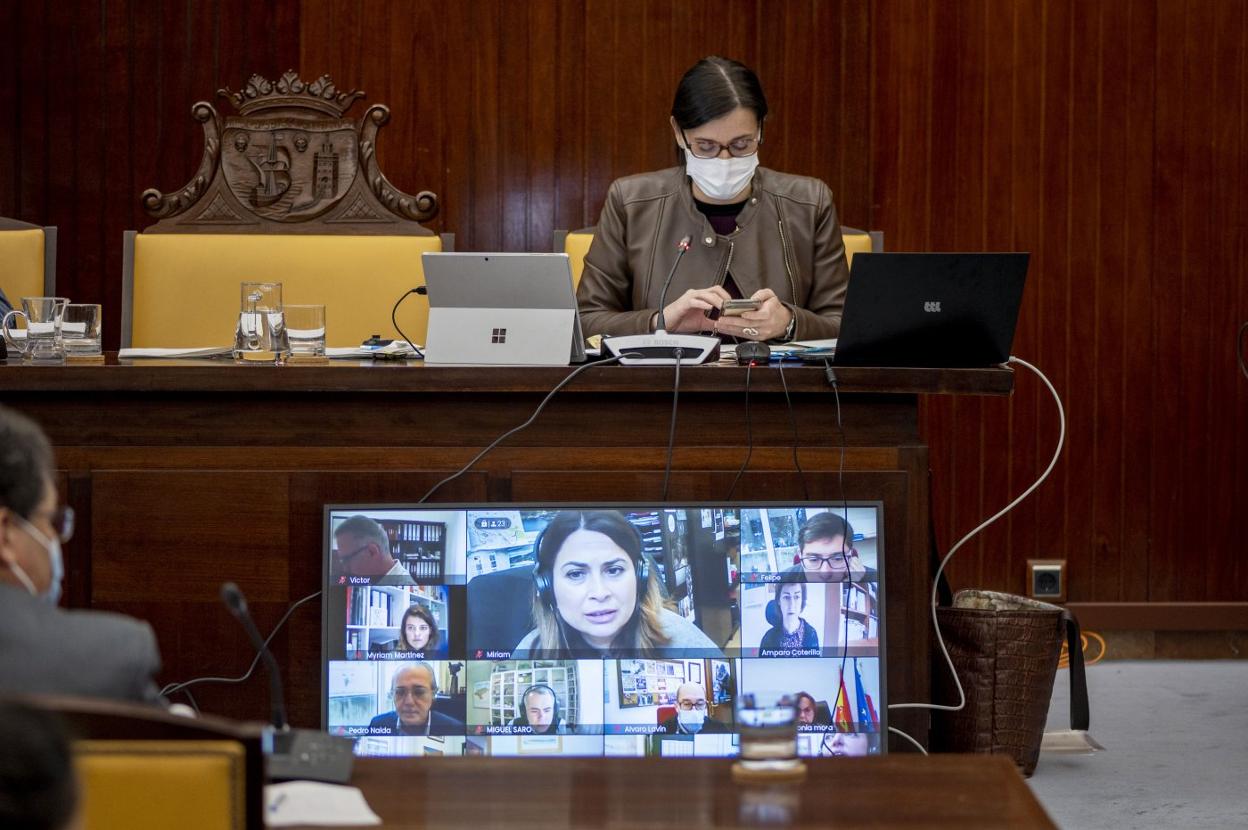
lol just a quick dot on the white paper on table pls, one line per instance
(310, 802)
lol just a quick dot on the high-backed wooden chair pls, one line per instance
(143, 768)
(288, 190)
(27, 260)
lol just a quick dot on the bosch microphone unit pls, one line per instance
(662, 348)
(290, 753)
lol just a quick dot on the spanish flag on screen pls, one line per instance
(841, 717)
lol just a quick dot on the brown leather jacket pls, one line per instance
(788, 239)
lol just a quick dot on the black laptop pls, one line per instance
(946, 310)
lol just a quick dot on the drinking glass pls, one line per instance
(305, 326)
(82, 328)
(43, 341)
(768, 722)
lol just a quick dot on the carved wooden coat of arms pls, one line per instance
(290, 162)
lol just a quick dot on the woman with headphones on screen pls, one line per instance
(596, 594)
(757, 234)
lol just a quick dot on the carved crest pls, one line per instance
(290, 161)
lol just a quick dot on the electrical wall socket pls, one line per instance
(1046, 579)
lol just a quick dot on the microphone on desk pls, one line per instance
(661, 348)
(291, 753)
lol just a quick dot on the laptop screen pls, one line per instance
(595, 630)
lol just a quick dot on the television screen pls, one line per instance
(601, 630)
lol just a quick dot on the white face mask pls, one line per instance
(56, 563)
(718, 178)
(691, 721)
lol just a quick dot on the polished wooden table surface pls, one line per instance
(946, 791)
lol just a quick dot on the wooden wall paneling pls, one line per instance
(1170, 251)
(1030, 411)
(1228, 229)
(569, 102)
(32, 134)
(1139, 288)
(1051, 271)
(540, 162)
(10, 107)
(166, 526)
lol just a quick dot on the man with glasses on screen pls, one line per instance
(44, 649)
(362, 548)
(691, 717)
(413, 690)
(826, 552)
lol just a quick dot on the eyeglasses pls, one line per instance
(689, 705)
(345, 559)
(414, 692)
(837, 561)
(704, 148)
(62, 521)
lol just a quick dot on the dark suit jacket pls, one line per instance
(387, 724)
(710, 726)
(47, 650)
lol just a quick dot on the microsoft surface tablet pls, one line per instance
(498, 309)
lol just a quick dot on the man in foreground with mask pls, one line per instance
(44, 649)
(691, 714)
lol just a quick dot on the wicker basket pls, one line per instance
(1006, 649)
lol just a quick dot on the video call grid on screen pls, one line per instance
(585, 658)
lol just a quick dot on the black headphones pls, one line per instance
(546, 589)
(555, 715)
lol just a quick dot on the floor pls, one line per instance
(1176, 748)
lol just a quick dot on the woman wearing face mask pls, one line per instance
(418, 631)
(755, 233)
(789, 629)
(596, 596)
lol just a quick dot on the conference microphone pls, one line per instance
(661, 348)
(290, 753)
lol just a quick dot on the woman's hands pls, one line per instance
(770, 322)
(689, 314)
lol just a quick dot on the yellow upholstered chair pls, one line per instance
(576, 245)
(156, 785)
(143, 768)
(857, 241)
(182, 289)
(27, 261)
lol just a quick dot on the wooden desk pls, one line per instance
(961, 792)
(185, 474)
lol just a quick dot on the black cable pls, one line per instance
(500, 439)
(1239, 351)
(671, 433)
(801, 474)
(749, 433)
(395, 320)
(840, 484)
(174, 688)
